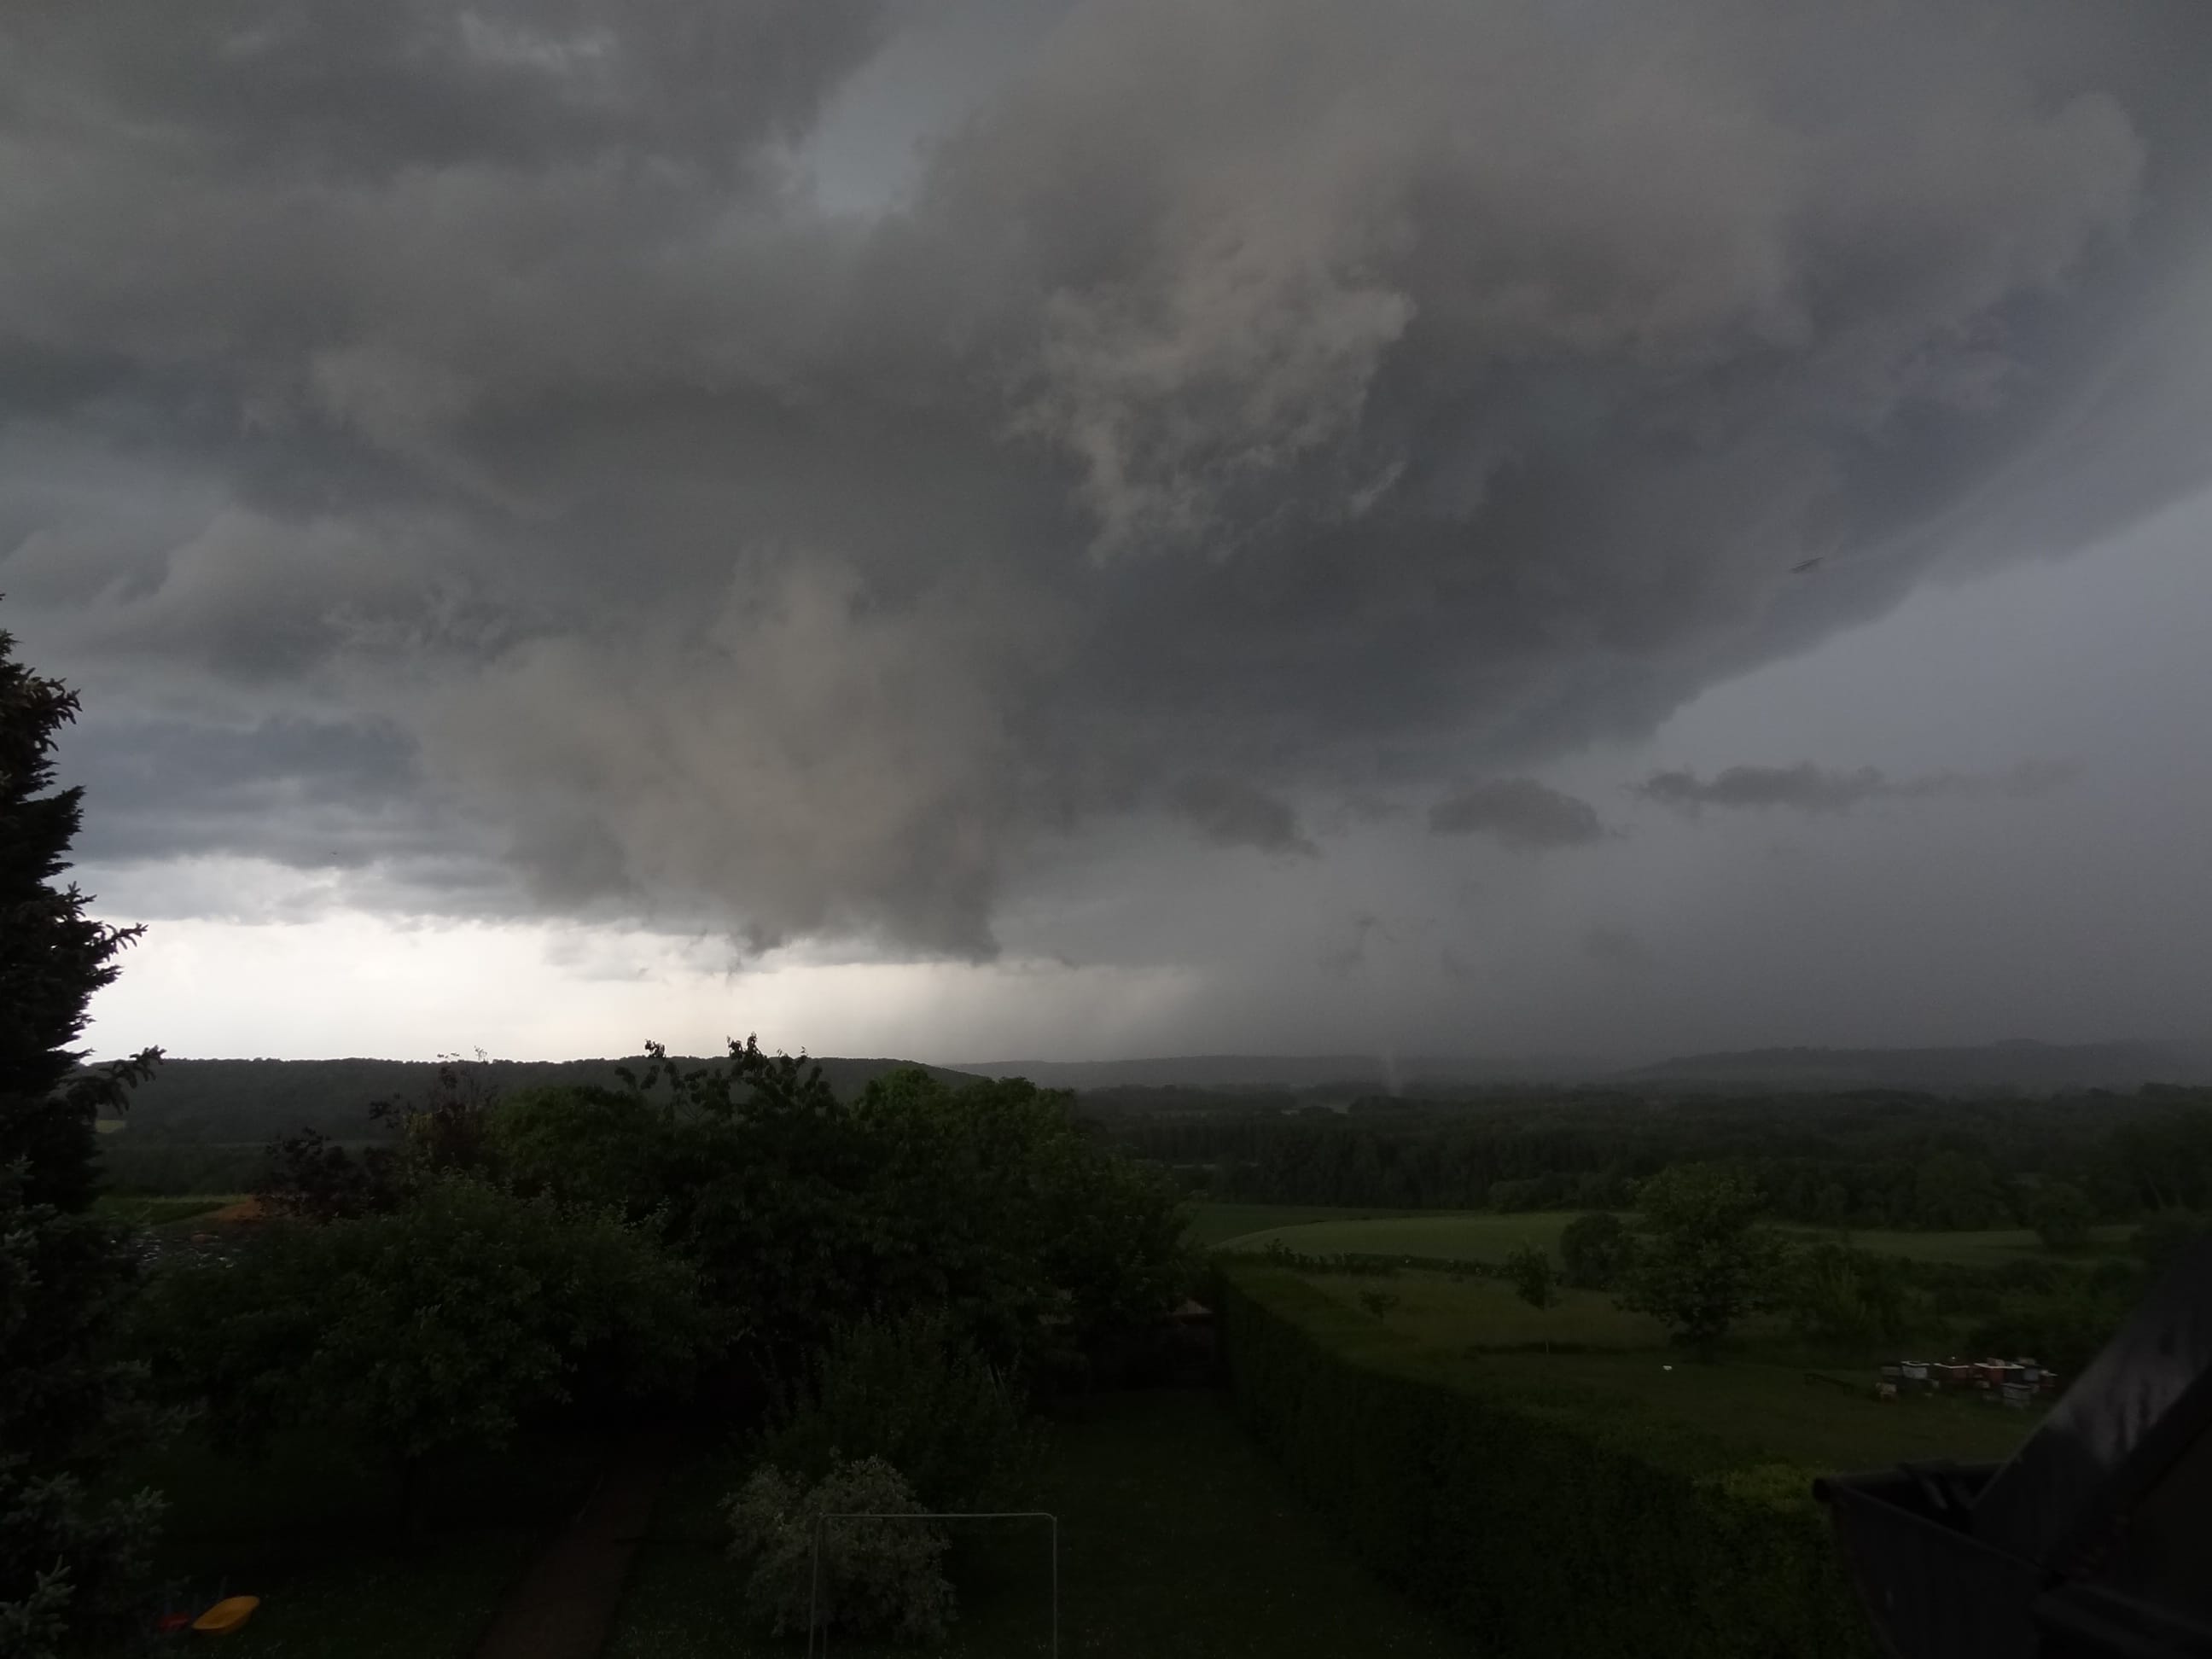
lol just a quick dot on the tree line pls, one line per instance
(1866, 1161)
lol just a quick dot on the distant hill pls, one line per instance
(1359, 1073)
(2025, 1066)
(238, 1101)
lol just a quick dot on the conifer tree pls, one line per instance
(70, 1553)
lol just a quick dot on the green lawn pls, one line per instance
(1991, 1248)
(1463, 1236)
(1450, 1315)
(1177, 1539)
(1755, 1403)
(1491, 1235)
(317, 1539)
(1767, 1412)
(160, 1211)
(1211, 1224)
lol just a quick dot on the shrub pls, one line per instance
(1834, 1294)
(2165, 1234)
(438, 1325)
(2061, 1216)
(1378, 1302)
(907, 1392)
(875, 1577)
(1538, 1527)
(1597, 1250)
(1533, 1277)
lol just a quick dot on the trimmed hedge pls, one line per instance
(1541, 1528)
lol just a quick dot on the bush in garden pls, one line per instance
(911, 1393)
(876, 1578)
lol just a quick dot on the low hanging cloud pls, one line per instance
(1617, 948)
(1344, 395)
(1519, 812)
(1233, 814)
(1805, 787)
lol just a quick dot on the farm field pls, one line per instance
(1491, 1235)
(1456, 1235)
(160, 1212)
(1210, 1223)
(1177, 1537)
(1755, 1401)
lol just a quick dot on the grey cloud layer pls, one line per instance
(1254, 403)
(1519, 812)
(1809, 789)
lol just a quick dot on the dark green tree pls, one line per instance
(433, 1327)
(2165, 1234)
(1709, 1264)
(1533, 1278)
(2060, 1214)
(1597, 1250)
(1834, 1294)
(69, 1406)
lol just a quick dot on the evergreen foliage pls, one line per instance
(69, 1554)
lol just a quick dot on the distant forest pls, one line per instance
(1870, 1159)
(1874, 1159)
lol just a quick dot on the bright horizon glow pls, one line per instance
(365, 986)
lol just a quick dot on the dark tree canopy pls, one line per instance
(67, 1556)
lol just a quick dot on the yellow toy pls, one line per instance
(227, 1615)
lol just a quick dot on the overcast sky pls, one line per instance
(984, 529)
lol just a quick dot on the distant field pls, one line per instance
(1212, 1223)
(162, 1211)
(1470, 1236)
(1767, 1409)
(1753, 1404)
(1487, 1236)
(1974, 1249)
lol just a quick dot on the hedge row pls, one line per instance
(1363, 1263)
(1538, 1527)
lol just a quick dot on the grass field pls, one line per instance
(1461, 1236)
(1210, 1223)
(1753, 1404)
(316, 1538)
(160, 1212)
(1489, 1235)
(1177, 1539)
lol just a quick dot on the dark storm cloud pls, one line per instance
(1233, 814)
(1616, 947)
(1345, 396)
(1347, 956)
(1519, 812)
(311, 795)
(1809, 789)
